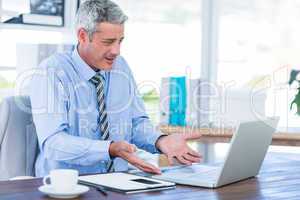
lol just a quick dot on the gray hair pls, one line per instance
(93, 12)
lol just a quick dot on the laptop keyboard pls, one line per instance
(197, 171)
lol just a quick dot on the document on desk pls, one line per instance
(184, 174)
(126, 183)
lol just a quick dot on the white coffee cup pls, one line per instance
(62, 180)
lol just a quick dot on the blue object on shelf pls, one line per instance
(177, 101)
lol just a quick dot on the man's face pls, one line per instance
(104, 46)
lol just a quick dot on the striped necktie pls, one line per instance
(98, 81)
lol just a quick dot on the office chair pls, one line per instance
(18, 139)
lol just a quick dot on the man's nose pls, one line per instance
(116, 49)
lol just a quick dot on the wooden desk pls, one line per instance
(224, 135)
(279, 178)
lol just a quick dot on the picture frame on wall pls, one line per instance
(37, 12)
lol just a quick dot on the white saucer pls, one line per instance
(48, 189)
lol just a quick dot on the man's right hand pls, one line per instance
(126, 151)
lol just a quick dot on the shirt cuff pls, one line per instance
(152, 148)
(162, 135)
(100, 149)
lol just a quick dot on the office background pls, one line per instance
(240, 45)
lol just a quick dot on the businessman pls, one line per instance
(86, 108)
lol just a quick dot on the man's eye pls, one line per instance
(107, 43)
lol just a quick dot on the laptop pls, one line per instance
(247, 150)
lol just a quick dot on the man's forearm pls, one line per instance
(76, 150)
(144, 135)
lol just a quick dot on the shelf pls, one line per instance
(4, 26)
(61, 34)
(224, 135)
(2, 68)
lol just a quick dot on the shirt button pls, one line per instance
(94, 127)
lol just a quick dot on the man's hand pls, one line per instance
(174, 146)
(126, 151)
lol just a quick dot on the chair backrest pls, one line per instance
(18, 139)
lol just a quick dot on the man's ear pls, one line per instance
(82, 35)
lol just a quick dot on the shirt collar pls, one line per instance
(82, 67)
(102, 73)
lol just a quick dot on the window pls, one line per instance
(258, 45)
(162, 39)
(18, 52)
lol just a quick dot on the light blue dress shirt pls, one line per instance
(65, 113)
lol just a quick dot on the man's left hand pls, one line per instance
(175, 146)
